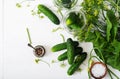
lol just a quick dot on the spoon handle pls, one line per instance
(30, 46)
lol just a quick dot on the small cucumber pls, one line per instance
(76, 64)
(62, 56)
(62, 46)
(72, 18)
(78, 50)
(74, 21)
(74, 26)
(46, 11)
(70, 51)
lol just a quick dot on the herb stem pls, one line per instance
(113, 74)
(59, 11)
(63, 38)
(96, 58)
(56, 29)
(89, 74)
(110, 74)
(114, 4)
(45, 62)
(118, 4)
(28, 33)
(101, 55)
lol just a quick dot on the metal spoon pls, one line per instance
(39, 50)
(31, 46)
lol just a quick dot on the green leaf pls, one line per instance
(114, 31)
(109, 27)
(63, 37)
(98, 35)
(90, 37)
(18, 5)
(37, 60)
(62, 65)
(53, 61)
(116, 45)
(88, 32)
(115, 23)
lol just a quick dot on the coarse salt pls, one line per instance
(98, 70)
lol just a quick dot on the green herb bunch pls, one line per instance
(102, 29)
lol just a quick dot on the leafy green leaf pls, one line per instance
(116, 45)
(18, 5)
(109, 27)
(114, 21)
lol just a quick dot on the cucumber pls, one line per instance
(47, 12)
(70, 51)
(62, 56)
(72, 18)
(74, 26)
(76, 64)
(78, 50)
(74, 21)
(62, 46)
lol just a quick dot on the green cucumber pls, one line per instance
(62, 46)
(70, 51)
(72, 18)
(74, 26)
(74, 21)
(46, 11)
(76, 64)
(62, 56)
(78, 50)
